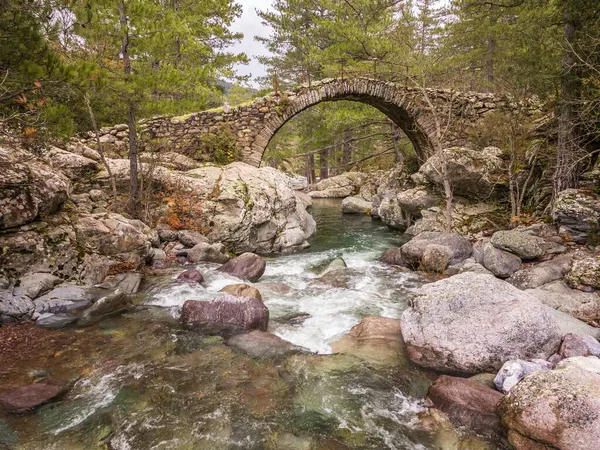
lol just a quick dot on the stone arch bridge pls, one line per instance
(254, 124)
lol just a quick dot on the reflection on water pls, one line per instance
(139, 381)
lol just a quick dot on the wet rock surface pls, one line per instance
(225, 315)
(27, 398)
(260, 344)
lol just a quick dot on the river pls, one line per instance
(141, 382)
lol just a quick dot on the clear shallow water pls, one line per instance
(139, 381)
(374, 289)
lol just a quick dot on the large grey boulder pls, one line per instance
(356, 205)
(501, 263)
(473, 173)
(225, 315)
(413, 250)
(339, 186)
(524, 245)
(558, 295)
(415, 200)
(191, 238)
(554, 409)
(472, 323)
(30, 188)
(542, 273)
(436, 258)
(577, 211)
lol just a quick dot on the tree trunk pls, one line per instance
(134, 194)
(347, 148)
(324, 164)
(113, 183)
(395, 130)
(566, 175)
(310, 168)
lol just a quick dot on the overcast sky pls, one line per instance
(251, 26)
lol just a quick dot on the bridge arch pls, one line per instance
(400, 104)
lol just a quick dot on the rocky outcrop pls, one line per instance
(475, 174)
(472, 323)
(339, 186)
(225, 315)
(73, 166)
(577, 212)
(29, 188)
(247, 266)
(554, 409)
(14, 308)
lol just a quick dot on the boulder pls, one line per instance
(27, 398)
(472, 323)
(339, 186)
(558, 295)
(275, 289)
(166, 235)
(64, 298)
(191, 276)
(584, 273)
(393, 257)
(14, 308)
(577, 212)
(356, 205)
(247, 266)
(204, 252)
(225, 315)
(436, 258)
(335, 278)
(35, 284)
(191, 238)
(260, 344)
(554, 409)
(30, 188)
(468, 404)
(542, 273)
(502, 264)
(413, 250)
(515, 370)
(242, 290)
(524, 245)
(588, 363)
(473, 173)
